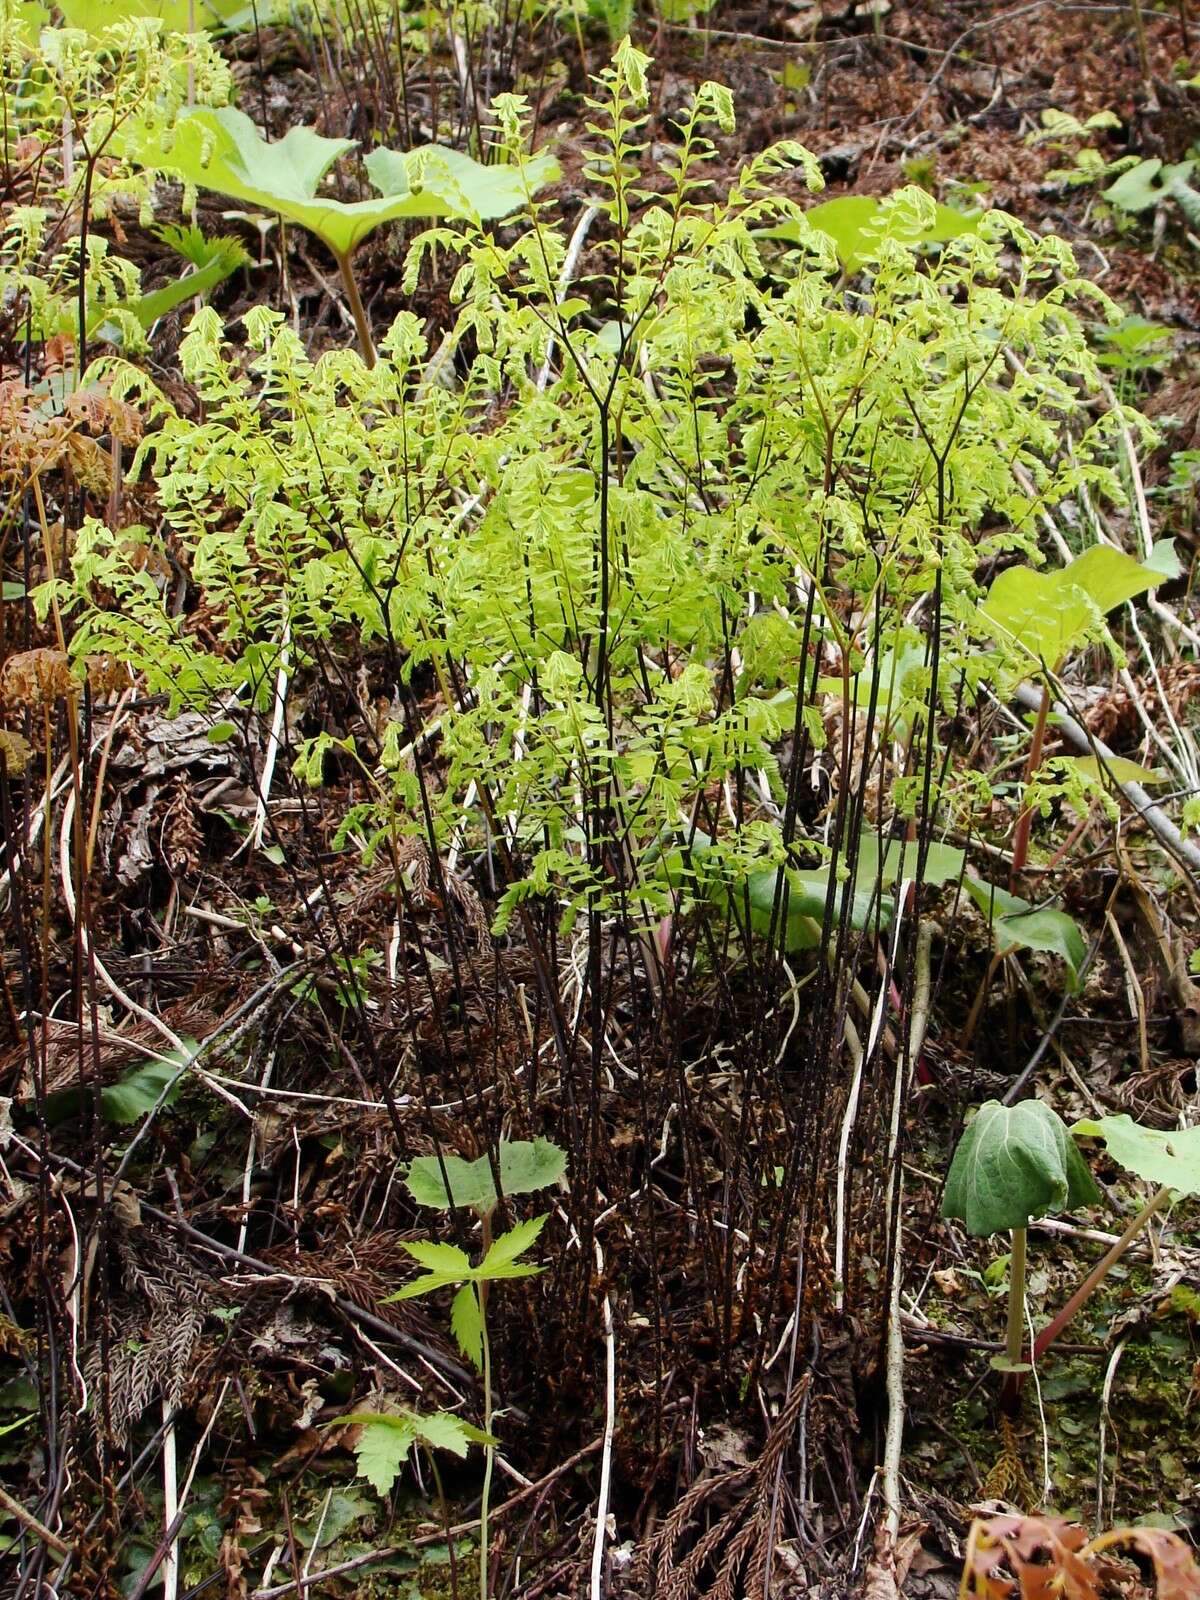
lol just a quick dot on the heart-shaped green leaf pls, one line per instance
(1049, 613)
(1012, 1164)
(1168, 1157)
(525, 1166)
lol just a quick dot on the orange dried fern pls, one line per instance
(1049, 1558)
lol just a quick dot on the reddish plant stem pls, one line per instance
(1025, 820)
(1098, 1273)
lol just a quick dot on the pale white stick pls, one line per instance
(170, 1566)
(894, 1435)
(273, 739)
(610, 1419)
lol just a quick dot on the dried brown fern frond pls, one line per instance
(157, 1328)
(728, 1561)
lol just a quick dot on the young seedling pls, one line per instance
(221, 149)
(1013, 1164)
(446, 1183)
(1047, 615)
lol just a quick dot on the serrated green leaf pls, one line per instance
(1167, 1157)
(1015, 1163)
(466, 1323)
(1016, 923)
(470, 1183)
(447, 1260)
(382, 1447)
(441, 1431)
(505, 1249)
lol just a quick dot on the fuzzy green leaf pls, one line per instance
(1012, 1164)
(1168, 1157)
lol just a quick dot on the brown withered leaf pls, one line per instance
(37, 678)
(1177, 1577)
(1028, 1558)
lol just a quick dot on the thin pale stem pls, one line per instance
(489, 1450)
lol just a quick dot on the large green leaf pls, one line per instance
(1012, 1164)
(851, 222)
(1016, 923)
(1167, 1157)
(1049, 613)
(525, 1166)
(221, 149)
(448, 183)
(178, 16)
(807, 892)
(943, 862)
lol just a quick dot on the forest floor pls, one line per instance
(249, 1257)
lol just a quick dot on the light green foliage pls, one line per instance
(118, 312)
(1015, 1163)
(93, 86)
(387, 1439)
(855, 222)
(724, 438)
(1166, 1157)
(1119, 768)
(1046, 615)
(525, 1166)
(1135, 347)
(1017, 925)
(446, 1266)
(221, 149)
(1063, 132)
